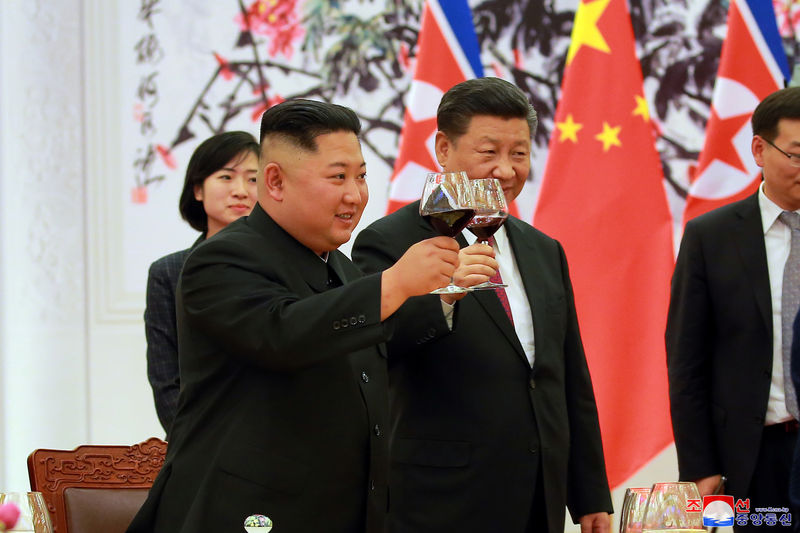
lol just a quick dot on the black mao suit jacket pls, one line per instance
(719, 345)
(283, 404)
(471, 421)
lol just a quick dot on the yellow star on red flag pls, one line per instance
(641, 108)
(609, 136)
(569, 129)
(585, 31)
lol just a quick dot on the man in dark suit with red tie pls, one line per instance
(735, 293)
(494, 425)
(283, 408)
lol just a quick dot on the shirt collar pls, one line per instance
(770, 211)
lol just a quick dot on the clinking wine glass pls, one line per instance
(673, 508)
(448, 205)
(34, 516)
(491, 212)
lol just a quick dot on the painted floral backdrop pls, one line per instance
(192, 70)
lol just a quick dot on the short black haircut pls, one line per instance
(210, 156)
(482, 96)
(784, 103)
(301, 121)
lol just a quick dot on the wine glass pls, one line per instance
(34, 516)
(633, 507)
(448, 205)
(490, 213)
(674, 507)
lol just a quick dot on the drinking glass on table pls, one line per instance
(491, 212)
(448, 205)
(674, 507)
(633, 507)
(34, 516)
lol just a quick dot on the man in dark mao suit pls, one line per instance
(283, 407)
(494, 427)
(724, 334)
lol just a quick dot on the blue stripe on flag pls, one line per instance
(459, 16)
(764, 14)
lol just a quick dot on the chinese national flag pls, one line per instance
(603, 198)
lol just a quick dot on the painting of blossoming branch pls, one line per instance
(199, 69)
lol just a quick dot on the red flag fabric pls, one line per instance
(752, 65)
(603, 198)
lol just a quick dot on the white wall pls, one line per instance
(72, 366)
(70, 375)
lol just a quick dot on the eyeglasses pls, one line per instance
(794, 159)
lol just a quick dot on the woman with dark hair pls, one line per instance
(220, 187)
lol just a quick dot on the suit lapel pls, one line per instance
(748, 234)
(309, 265)
(491, 304)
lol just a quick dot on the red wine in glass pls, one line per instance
(484, 226)
(450, 223)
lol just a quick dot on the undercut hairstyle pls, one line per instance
(482, 96)
(301, 121)
(210, 156)
(784, 103)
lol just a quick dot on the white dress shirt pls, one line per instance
(778, 242)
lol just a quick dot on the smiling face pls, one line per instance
(781, 179)
(491, 147)
(318, 196)
(230, 192)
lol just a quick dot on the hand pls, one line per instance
(708, 485)
(426, 266)
(476, 264)
(595, 523)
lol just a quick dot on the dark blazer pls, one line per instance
(161, 332)
(283, 407)
(471, 422)
(719, 344)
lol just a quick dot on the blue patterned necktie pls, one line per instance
(790, 302)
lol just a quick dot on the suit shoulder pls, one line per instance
(724, 214)
(396, 221)
(531, 233)
(169, 263)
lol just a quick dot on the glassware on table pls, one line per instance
(34, 516)
(633, 507)
(673, 507)
(491, 212)
(448, 205)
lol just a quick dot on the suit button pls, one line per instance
(532, 450)
(364, 377)
(431, 333)
(336, 324)
(377, 430)
(371, 484)
(353, 321)
(361, 319)
(532, 383)
(344, 322)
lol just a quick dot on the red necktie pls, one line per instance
(500, 291)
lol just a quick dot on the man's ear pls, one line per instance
(198, 193)
(443, 146)
(757, 146)
(273, 181)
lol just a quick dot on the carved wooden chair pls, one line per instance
(95, 489)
